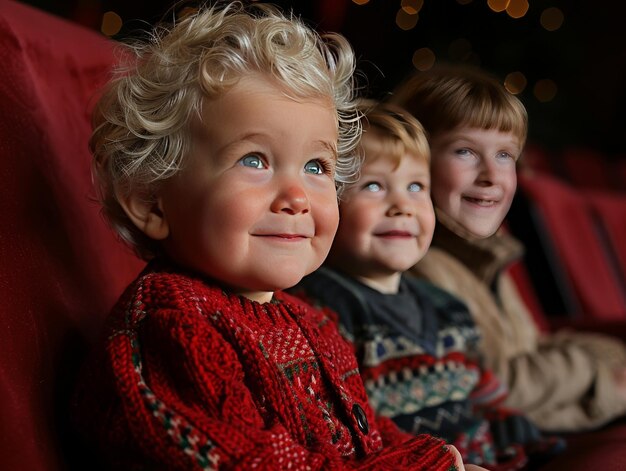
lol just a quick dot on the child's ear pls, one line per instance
(147, 215)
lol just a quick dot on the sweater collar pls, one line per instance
(484, 257)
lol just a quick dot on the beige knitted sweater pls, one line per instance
(563, 381)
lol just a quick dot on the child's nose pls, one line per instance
(399, 206)
(291, 199)
(487, 172)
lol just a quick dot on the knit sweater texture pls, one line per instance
(418, 353)
(562, 381)
(191, 377)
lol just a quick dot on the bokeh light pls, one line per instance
(111, 23)
(412, 7)
(423, 59)
(498, 5)
(406, 21)
(360, 2)
(515, 82)
(551, 18)
(517, 8)
(545, 90)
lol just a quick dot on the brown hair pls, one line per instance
(447, 97)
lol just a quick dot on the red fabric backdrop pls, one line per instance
(61, 267)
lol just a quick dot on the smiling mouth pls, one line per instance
(480, 202)
(284, 237)
(395, 235)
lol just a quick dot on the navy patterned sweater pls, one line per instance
(418, 356)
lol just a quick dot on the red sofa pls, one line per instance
(62, 268)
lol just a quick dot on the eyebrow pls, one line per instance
(252, 135)
(462, 139)
(329, 147)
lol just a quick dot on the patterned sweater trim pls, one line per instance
(195, 378)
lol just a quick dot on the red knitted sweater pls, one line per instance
(194, 378)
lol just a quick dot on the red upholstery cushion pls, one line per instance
(600, 449)
(610, 209)
(520, 276)
(567, 217)
(620, 173)
(587, 168)
(537, 159)
(62, 267)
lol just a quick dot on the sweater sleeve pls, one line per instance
(562, 387)
(182, 402)
(561, 383)
(566, 382)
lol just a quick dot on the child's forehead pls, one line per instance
(384, 162)
(258, 102)
(259, 83)
(477, 134)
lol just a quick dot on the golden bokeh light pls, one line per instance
(111, 23)
(423, 59)
(498, 5)
(545, 90)
(406, 21)
(412, 7)
(360, 2)
(551, 18)
(515, 82)
(517, 8)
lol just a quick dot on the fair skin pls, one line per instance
(474, 176)
(255, 206)
(474, 180)
(387, 221)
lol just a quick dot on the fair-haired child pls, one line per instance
(218, 150)
(477, 131)
(417, 345)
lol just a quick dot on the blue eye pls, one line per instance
(415, 187)
(373, 187)
(252, 161)
(315, 167)
(505, 156)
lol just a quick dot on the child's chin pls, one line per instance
(403, 265)
(288, 280)
(483, 233)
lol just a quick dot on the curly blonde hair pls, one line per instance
(142, 121)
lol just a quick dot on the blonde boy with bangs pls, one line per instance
(218, 151)
(416, 344)
(477, 130)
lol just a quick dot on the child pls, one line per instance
(217, 154)
(416, 344)
(477, 131)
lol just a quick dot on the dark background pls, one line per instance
(585, 57)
